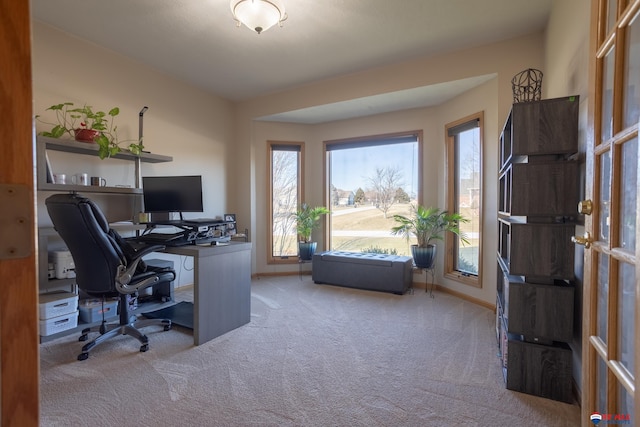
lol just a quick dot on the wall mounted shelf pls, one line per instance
(43, 144)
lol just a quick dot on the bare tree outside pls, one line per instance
(470, 171)
(384, 182)
(356, 224)
(468, 192)
(335, 196)
(284, 202)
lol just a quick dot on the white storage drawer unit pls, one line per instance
(58, 324)
(57, 304)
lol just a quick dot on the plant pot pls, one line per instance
(424, 257)
(306, 250)
(86, 135)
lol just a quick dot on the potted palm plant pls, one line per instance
(427, 225)
(307, 220)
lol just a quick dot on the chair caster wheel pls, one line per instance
(144, 348)
(83, 356)
(83, 337)
(167, 327)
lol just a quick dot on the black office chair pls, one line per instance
(105, 265)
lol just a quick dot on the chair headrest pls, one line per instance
(83, 203)
(100, 218)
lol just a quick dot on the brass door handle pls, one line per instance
(584, 240)
(585, 207)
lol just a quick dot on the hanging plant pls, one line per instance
(86, 125)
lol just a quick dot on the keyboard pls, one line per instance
(167, 239)
(202, 221)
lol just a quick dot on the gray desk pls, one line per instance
(221, 289)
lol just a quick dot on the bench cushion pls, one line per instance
(379, 272)
(358, 258)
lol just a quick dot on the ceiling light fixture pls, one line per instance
(258, 15)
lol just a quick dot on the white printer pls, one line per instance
(63, 264)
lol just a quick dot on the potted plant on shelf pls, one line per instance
(86, 125)
(427, 225)
(307, 220)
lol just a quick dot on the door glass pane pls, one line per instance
(626, 322)
(605, 195)
(629, 195)
(601, 405)
(607, 96)
(632, 75)
(625, 406)
(603, 290)
(611, 14)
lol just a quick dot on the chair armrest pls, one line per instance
(145, 250)
(124, 274)
(150, 278)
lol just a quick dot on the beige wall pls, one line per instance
(566, 73)
(182, 121)
(561, 53)
(193, 127)
(431, 121)
(210, 136)
(483, 98)
(494, 98)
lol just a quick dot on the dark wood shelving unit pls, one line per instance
(538, 195)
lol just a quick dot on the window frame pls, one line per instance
(366, 141)
(450, 272)
(271, 147)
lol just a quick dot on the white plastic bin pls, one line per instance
(58, 324)
(57, 304)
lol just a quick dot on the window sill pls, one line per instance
(465, 279)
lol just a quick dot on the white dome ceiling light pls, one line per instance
(258, 15)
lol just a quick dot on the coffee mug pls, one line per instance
(144, 217)
(98, 181)
(80, 179)
(59, 178)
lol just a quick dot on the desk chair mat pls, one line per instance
(180, 314)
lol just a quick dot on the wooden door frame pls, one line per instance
(588, 307)
(590, 357)
(19, 343)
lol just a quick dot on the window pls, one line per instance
(369, 180)
(285, 190)
(464, 196)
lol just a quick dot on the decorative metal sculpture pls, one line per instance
(527, 85)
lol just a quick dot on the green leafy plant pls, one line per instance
(307, 220)
(428, 224)
(70, 121)
(378, 250)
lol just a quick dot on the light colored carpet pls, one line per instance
(313, 355)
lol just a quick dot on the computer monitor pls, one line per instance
(172, 193)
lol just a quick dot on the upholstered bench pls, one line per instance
(377, 272)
